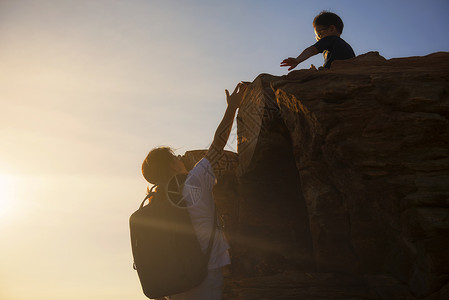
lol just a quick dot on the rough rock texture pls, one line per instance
(346, 170)
(317, 286)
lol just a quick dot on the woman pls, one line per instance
(161, 166)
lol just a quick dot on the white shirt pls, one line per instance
(197, 193)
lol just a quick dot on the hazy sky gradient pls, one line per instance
(87, 88)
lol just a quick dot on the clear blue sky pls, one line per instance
(87, 88)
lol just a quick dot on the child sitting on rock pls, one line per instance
(328, 28)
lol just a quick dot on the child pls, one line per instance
(161, 165)
(328, 28)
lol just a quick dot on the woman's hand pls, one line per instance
(236, 97)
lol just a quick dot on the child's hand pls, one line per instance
(290, 62)
(236, 97)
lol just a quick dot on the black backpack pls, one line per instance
(166, 251)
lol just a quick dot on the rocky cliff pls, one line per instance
(343, 171)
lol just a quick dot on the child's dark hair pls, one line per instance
(327, 18)
(155, 167)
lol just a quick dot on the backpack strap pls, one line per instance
(149, 196)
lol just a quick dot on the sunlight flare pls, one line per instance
(6, 195)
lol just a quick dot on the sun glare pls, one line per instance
(6, 195)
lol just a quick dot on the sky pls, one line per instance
(88, 87)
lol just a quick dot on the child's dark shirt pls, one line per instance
(333, 48)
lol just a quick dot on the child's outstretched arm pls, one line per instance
(293, 62)
(224, 128)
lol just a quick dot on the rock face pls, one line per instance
(346, 170)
